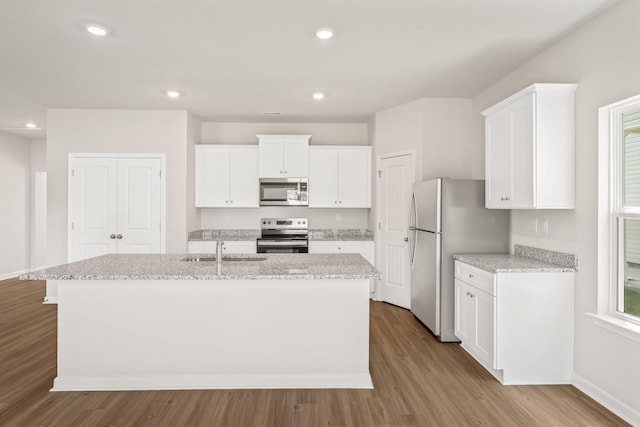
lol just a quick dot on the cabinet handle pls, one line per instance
(113, 236)
(471, 276)
(231, 201)
(470, 295)
(119, 236)
(340, 202)
(505, 199)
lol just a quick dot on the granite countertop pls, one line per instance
(527, 259)
(171, 267)
(248, 234)
(504, 263)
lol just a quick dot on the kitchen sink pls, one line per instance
(212, 258)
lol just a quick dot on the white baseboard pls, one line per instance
(621, 409)
(12, 275)
(195, 382)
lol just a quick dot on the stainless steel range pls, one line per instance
(283, 235)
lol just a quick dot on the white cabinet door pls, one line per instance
(323, 177)
(464, 314)
(271, 157)
(243, 177)
(354, 177)
(139, 206)
(226, 176)
(284, 156)
(485, 331)
(364, 248)
(295, 155)
(529, 149)
(212, 176)
(229, 247)
(339, 177)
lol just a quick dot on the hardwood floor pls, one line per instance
(418, 382)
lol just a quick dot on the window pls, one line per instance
(619, 218)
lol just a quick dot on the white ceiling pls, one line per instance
(236, 59)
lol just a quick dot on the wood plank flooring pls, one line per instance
(418, 382)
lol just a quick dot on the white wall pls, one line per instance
(15, 214)
(194, 128)
(116, 131)
(38, 199)
(321, 134)
(601, 58)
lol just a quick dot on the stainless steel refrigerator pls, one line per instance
(448, 216)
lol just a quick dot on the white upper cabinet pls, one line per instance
(529, 149)
(339, 177)
(284, 156)
(227, 176)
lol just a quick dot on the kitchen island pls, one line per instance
(143, 322)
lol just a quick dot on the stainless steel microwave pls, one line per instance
(284, 191)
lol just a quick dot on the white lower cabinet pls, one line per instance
(362, 247)
(229, 247)
(519, 326)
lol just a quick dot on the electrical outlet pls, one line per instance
(338, 217)
(534, 225)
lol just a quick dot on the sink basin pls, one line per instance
(225, 258)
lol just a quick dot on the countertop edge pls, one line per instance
(549, 268)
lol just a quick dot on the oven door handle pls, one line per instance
(262, 242)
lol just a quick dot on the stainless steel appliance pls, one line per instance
(284, 191)
(448, 216)
(283, 235)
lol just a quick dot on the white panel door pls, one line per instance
(394, 192)
(212, 177)
(295, 157)
(270, 149)
(354, 177)
(94, 208)
(465, 313)
(139, 206)
(243, 177)
(522, 191)
(323, 177)
(116, 206)
(498, 160)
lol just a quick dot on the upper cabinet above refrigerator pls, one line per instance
(529, 149)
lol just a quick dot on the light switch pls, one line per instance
(544, 226)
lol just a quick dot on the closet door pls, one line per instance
(116, 206)
(94, 207)
(139, 206)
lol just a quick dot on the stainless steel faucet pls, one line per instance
(219, 244)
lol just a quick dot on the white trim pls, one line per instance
(12, 275)
(621, 409)
(163, 190)
(376, 294)
(609, 201)
(194, 382)
(617, 325)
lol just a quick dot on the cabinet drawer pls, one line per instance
(476, 277)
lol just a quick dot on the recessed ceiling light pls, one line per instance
(173, 94)
(318, 95)
(97, 30)
(324, 33)
(31, 125)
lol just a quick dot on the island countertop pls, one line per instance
(172, 267)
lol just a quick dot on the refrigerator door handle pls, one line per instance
(411, 238)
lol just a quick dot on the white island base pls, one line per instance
(212, 334)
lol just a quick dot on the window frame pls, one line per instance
(611, 214)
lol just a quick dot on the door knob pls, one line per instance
(119, 236)
(113, 236)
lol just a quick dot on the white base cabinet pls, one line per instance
(362, 247)
(519, 326)
(229, 247)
